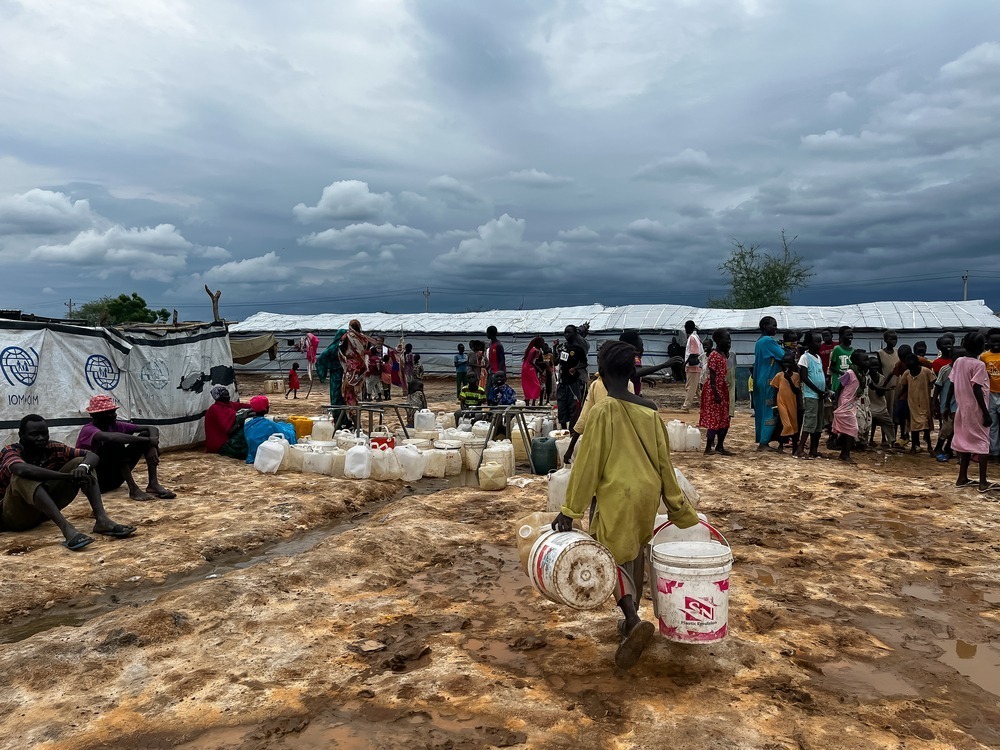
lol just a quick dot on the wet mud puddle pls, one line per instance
(133, 593)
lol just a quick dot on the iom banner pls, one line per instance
(161, 378)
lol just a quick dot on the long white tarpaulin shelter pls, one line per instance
(157, 377)
(436, 335)
(923, 316)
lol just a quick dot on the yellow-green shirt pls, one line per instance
(625, 463)
(596, 392)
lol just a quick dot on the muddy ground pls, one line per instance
(296, 611)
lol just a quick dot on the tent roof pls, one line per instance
(871, 315)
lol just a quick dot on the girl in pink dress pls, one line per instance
(845, 411)
(972, 420)
(530, 384)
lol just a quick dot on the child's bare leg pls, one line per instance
(983, 483)
(846, 443)
(963, 469)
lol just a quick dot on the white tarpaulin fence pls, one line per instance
(157, 378)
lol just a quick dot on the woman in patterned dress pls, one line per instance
(715, 395)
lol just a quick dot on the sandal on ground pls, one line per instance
(991, 487)
(966, 483)
(633, 644)
(118, 531)
(78, 541)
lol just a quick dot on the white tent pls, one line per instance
(436, 335)
(158, 377)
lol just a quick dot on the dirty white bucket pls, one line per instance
(690, 586)
(295, 454)
(424, 420)
(568, 567)
(323, 429)
(453, 450)
(473, 453)
(317, 462)
(412, 462)
(481, 429)
(436, 464)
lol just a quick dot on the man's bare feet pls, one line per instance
(140, 496)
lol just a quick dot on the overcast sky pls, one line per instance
(334, 155)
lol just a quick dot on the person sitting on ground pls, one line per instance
(624, 463)
(120, 445)
(259, 428)
(415, 399)
(501, 394)
(220, 418)
(236, 444)
(39, 477)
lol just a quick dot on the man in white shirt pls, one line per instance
(694, 362)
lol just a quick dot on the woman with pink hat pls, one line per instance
(120, 445)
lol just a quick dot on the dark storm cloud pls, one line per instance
(355, 153)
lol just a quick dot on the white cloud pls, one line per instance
(348, 200)
(579, 234)
(839, 102)
(690, 162)
(536, 178)
(362, 235)
(983, 60)
(262, 269)
(648, 229)
(454, 191)
(145, 252)
(18, 176)
(48, 290)
(43, 212)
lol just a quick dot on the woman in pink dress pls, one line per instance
(845, 411)
(530, 385)
(972, 420)
(715, 395)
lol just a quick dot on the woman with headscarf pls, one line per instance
(328, 365)
(220, 418)
(354, 347)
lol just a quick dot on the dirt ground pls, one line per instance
(298, 611)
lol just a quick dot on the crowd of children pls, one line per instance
(852, 395)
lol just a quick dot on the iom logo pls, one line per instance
(101, 373)
(155, 373)
(19, 366)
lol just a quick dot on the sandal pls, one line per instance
(633, 644)
(78, 541)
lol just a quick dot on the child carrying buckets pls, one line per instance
(626, 447)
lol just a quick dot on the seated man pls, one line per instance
(501, 394)
(470, 398)
(220, 419)
(259, 428)
(39, 477)
(120, 445)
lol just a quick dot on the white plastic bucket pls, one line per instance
(425, 420)
(568, 567)
(436, 464)
(473, 453)
(323, 429)
(453, 450)
(492, 477)
(690, 586)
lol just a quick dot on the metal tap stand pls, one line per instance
(498, 415)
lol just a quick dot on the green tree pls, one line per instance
(759, 279)
(113, 311)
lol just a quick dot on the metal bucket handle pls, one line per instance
(715, 533)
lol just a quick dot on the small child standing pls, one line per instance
(373, 374)
(787, 382)
(916, 384)
(461, 370)
(845, 411)
(415, 399)
(293, 381)
(814, 392)
(972, 420)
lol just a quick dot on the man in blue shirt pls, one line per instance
(461, 370)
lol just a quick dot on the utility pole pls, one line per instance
(69, 306)
(965, 286)
(427, 299)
